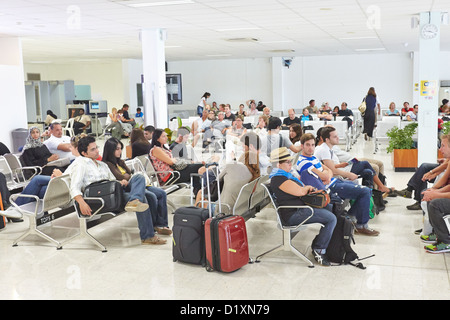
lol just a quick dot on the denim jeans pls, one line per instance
(323, 216)
(157, 200)
(136, 187)
(416, 182)
(365, 170)
(350, 190)
(37, 187)
(136, 190)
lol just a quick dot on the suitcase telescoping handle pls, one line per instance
(216, 165)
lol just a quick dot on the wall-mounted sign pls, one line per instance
(429, 88)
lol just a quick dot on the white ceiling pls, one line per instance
(69, 31)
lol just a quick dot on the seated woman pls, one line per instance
(235, 175)
(139, 144)
(35, 153)
(233, 136)
(151, 219)
(162, 160)
(113, 124)
(261, 127)
(392, 110)
(288, 190)
(295, 133)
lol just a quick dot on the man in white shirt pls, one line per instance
(90, 170)
(58, 143)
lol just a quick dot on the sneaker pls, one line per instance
(431, 238)
(415, 206)
(321, 258)
(154, 240)
(12, 213)
(136, 206)
(405, 193)
(438, 248)
(367, 232)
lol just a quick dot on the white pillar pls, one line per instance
(13, 105)
(154, 87)
(429, 45)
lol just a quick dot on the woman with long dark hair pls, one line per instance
(150, 220)
(139, 144)
(202, 103)
(369, 115)
(162, 160)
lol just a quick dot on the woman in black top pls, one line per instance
(288, 189)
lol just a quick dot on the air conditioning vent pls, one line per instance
(242, 40)
(282, 51)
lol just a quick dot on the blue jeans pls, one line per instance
(37, 187)
(365, 170)
(323, 216)
(350, 190)
(135, 190)
(157, 200)
(136, 187)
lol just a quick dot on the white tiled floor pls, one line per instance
(400, 269)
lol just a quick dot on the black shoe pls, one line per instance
(321, 259)
(415, 206)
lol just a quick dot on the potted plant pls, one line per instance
(401, 145)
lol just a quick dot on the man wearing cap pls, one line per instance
(287, 189)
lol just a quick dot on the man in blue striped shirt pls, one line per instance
(313, 172)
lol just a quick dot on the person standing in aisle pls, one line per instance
(369, 115)
(202, 103)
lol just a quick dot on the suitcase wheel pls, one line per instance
(208, 267)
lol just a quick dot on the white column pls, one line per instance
(429, 48)
(154, 87)
(13, 105)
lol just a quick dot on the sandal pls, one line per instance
(154, 240)
(164, 230)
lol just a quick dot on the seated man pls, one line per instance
(312, 172)
(81, 122)
(427, 172)
(291, 119)
(287, 189)
(90, 170)
(347, 170)
(58, 143)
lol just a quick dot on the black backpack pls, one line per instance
(339, 249)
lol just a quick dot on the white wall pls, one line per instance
(348, 78)
(12, 90)
(105, 79)
(229, 81)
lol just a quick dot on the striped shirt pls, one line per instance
(310, 163)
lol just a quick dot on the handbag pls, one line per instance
(181, 164)
(362, 107)
(316, 199)
(110, 191)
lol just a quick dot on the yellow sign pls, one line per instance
(428, 88)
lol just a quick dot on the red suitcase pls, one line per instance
(226, 243)
(225, 240)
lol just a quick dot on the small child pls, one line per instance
(139, 113)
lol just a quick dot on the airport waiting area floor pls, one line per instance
(400, 269)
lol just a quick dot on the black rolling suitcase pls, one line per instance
(188, 238)
(188, 234)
